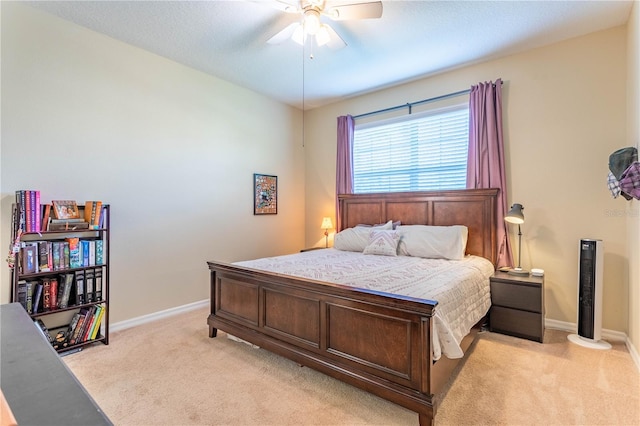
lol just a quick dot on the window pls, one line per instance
(418, 152)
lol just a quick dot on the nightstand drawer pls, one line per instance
(517, 323)
(517, 296)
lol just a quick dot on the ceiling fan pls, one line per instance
(310, 24)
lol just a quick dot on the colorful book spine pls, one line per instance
(46, 294)
(99, 252)
(43, 256)
(36, 213)
(29, 258)
(96, 323)
(84, 248)
(53, 293)
(74, 252)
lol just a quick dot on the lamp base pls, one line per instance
(518, 271)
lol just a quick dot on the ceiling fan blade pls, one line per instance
(371, 10)
(335, 41)
(289, 6)
(285, 34)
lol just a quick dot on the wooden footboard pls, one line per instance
(377, 342)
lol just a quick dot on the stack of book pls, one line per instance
(28, 202)
(84, 326)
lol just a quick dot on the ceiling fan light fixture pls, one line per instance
(299, 35)
(311, 21)
(322, 36)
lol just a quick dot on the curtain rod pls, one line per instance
(411, 104)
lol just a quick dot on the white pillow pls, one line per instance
(433, 242)
(384, 243)
(356, 239)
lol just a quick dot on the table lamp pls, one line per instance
(326, 225)
(516, 216)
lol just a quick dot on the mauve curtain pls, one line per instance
(485, 164)
(344, 167)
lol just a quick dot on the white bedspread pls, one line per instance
(461, 287)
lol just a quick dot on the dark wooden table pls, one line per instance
(39, 388)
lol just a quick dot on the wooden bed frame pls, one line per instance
(338, 330)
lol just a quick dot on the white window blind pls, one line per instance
(420, 152)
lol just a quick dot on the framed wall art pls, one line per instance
(265, 194)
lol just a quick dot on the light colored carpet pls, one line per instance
(171, 373)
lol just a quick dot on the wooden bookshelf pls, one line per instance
(61, 276)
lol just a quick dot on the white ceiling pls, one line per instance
(413, 39)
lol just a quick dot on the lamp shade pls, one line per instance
(515, 215)
(326, 223)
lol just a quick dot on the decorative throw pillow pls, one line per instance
(433, 242)
(383, 243)
(357, 238)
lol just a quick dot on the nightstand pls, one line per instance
(517, 305)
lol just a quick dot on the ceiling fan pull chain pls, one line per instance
(310, 47)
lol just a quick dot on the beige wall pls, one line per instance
(87, 117)
(633, 136)
(564, 113)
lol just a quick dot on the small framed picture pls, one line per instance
(265, 194)
(65, 209)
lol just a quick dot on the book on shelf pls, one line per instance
(45, 331)
(25, 294)
(88, 324)
(84, 251)
(92, 252)
(97, 284)
(82, 315)
(72, 326)
(66, 255)
(88, 286)
(37, 297)
(74, 252)
(65, 209)
(29, 258)
(28, 204)
(101, 223)
(96, 324)
(96, 329)
(79, 284)
(22, 294)
(43, 256)
(46, 294)
(55, 255)
(35, 211)
(99, 252)
(30, 287)
(92, 212)
(46, 217)
(53, 290)
(67, 280)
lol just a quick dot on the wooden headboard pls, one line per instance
(474, 208)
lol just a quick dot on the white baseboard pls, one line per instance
(133, 322)
(611, 335)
